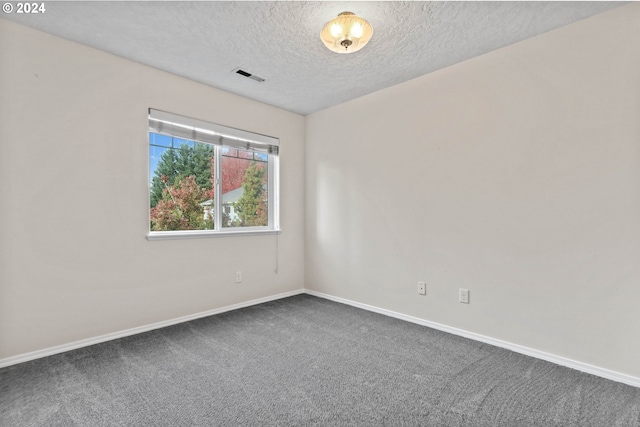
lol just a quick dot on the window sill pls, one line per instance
(170, 235)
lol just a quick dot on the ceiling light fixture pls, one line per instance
(346, 33)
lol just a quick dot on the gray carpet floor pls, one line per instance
(305, 361)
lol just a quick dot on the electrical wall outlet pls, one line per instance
(464, 296)
(238, 276)
(422, 288)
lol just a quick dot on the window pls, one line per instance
(208, 179)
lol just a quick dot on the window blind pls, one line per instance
(210, 133)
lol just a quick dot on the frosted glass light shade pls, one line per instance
(346, 33)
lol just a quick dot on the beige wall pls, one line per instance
(74, 260)
(515, 174)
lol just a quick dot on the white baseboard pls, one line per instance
(133, 331)
(558, 360)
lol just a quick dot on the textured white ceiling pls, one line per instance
(279, 41)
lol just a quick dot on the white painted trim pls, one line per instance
(193, 234)
(138, 330)
(558, 360)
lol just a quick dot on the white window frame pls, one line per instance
(220, 136)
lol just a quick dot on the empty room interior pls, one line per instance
(430, 218)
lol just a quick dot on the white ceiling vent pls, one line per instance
(247, 74)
